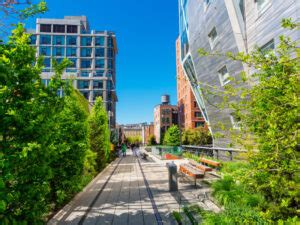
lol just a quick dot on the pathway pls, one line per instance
(129, 191)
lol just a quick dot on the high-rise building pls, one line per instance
(165, 115)
(92, 53)
(226, 26)
(189, 114)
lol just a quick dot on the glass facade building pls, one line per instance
(92, 53)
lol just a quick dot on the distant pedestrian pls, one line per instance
(124, 148)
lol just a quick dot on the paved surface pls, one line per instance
(130, 191)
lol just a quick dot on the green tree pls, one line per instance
(99, 136)
(268, 113)
(172, 136)
(197, 136)
(24, 159)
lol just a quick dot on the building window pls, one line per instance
(86, 52)
(32, 39)
(47, 62)
(110, 64)
(269, 46)
(97, 94)
(110, 53)
(86, 94)
(198, 114)
(57, 28)
(99, 52)
(45, 40)
(199, 124)
(85, 73)
(45, 28)
(74, 63)
(86, 63)
(58, 40)
(57, 51)
(71, 40)
(109, 73)
(86, 41)
(46, 51)
(99, 41)
(99, 73)
(224, 76)
(262, 5)
(72, 52)
(72, 29)
(58, 60)
(83, 84)
(100, 63)
(195, 104)
(110, 42)
(97, 84)
(242, 8)
(212, 36)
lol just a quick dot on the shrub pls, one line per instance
(151, 140)
(197, 136)
(172, 136)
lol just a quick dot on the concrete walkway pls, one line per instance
(129, 191)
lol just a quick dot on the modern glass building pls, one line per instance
(93, 54)
(226, 26)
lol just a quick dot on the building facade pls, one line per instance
(189, 114)
(92, 53)
(147, 132)
(226, 26)
(165, 115)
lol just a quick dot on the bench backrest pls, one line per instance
(210, 162)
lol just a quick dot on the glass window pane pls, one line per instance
(86, 63)
(45, 28)
(99, 73)
(99, 52)
(58, 40)
(46, 51)
(86, 52)
(58, 28)
(100, 63)
(72, 52)
(58, 51)
(71, 40)
(110, 64)
(85, 73)
(98, 84)
(99, 41)
(72, 29)
(83, 84)
(110, 42)
(86, 41)
(97, 94)
(110, 53)
(86, 94)
(47, 62)
(74, 62)
(32, 39)
(45, 39)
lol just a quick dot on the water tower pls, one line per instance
(165, 99)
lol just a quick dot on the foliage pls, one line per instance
(151, 140)
(18, 10)
(44, 144)
(172, 136)
(267, 111)
(192, 156)
(134, 140)
(98, 132)
(177, 217)
(198, 136)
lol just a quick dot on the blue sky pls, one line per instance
(146, 33)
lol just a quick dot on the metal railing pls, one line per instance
(214, 152)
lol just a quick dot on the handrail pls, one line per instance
(213, 148)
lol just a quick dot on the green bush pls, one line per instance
(172, 136)
(198, 136)
(151, 140)
(98, 133)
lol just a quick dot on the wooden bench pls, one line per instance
(210, 162)
(200, 166)
(191, 171)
